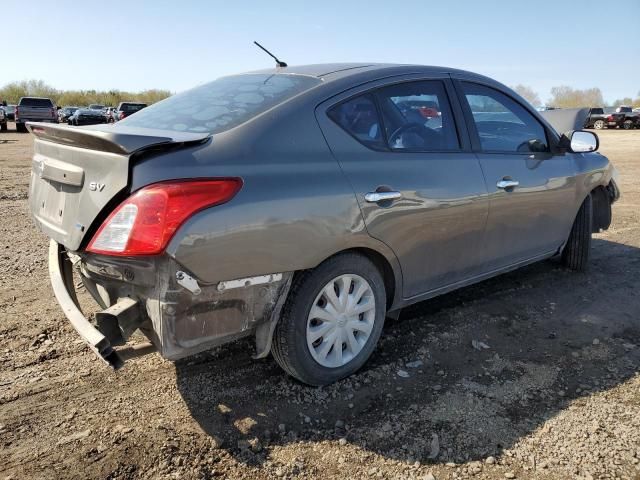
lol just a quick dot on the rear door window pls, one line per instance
(503, 125)
(222, 104)
(36, 102)
(411, 116)
(359, 117)
(417, 117)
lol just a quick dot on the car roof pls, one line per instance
(335, 71)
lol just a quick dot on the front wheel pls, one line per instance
(331, 321)
(627, 124)
(576, 252)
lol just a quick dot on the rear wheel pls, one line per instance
(598, 124)
(576, 252)
(627, 124)
(3, 127)
(331, 321)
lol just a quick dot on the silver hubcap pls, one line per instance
(599, 124)
(341, 320)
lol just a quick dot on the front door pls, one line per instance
(420, 188)
(529, 187)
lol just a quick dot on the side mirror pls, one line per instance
(579, 141)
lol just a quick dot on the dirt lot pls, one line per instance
(556, 394)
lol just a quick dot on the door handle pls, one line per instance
(375, 197)
(504, 184)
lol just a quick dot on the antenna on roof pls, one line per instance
(278, 62)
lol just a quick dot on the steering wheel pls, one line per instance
(425, 133)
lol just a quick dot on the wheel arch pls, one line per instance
(386, 263)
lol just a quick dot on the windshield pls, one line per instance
(222, 104)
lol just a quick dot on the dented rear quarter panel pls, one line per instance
(295, 209)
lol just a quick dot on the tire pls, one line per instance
(3, 127)
(575, 255)
(291, 345)
(21, 128)
(627, 124)
(599, 124)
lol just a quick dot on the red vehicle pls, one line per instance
(624, 117)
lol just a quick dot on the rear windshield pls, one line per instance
(597, 110)
(221, 104)
(35, 102)
(132, 107)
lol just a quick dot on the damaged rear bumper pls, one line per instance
(60, 272)
(179, 315)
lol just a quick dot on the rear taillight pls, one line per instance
(15, 113)
(146, 221)
(53, 113)
(121, 116)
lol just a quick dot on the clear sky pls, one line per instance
(137, 45)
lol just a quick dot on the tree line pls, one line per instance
(567, 97)
(12, 92)
(561, 97)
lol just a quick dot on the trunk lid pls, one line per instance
(36, 113)
(77, 171)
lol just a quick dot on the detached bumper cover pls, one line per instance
(60, 272)
(180, 317)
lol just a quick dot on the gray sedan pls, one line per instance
(303, 205)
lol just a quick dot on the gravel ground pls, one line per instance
(555, 395)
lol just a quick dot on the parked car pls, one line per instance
(624, 117)
(300, 206)
(3, 119)
(10, 111)
(128, 108)
(111, 114)
(597, 118)
(65, 112)
(34, 109)
(86, 116)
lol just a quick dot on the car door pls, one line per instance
(420, 188)
(530, 188)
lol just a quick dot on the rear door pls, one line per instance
(529, 187)
(419, 187)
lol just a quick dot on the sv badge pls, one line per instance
(96, 186)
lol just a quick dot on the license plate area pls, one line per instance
(52, 202)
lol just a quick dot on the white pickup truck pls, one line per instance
(34, 109)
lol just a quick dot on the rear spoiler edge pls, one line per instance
(108, 139)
